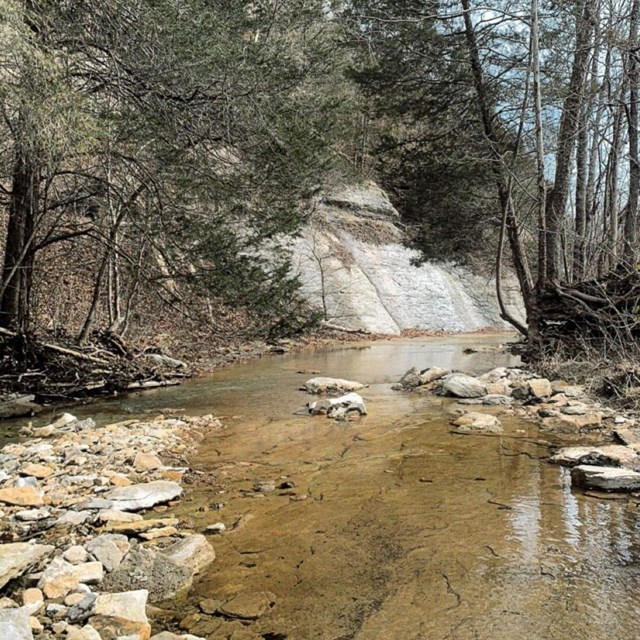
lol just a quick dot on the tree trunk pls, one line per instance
(569, 124)
(17, 272)
(631, 222)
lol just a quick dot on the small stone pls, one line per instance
(218, 527)
(146, 462)
(162, 532)
(32, 596)
(35, 624)
(75, 555)
(89, 572)
(85, 633)
(605, 478)
(15, 625)
(37, 471)
(74, 518)
(326, 385)
(193, 551)
(120, 480)
(463, 386)
(17, 557)
(106, 550)
(33, 515)
(119, 516)
(59, 628)
(209, 606)
(474, 421)
(58, 579)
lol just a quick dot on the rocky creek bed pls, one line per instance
(78, 558)
(98, 544)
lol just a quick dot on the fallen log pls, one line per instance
(336, 327)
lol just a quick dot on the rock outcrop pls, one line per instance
(353, 263)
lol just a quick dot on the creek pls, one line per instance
(407, 531)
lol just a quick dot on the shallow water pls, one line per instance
(408, 531)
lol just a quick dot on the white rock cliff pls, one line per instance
(353, 265)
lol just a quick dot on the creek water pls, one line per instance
(407, 532)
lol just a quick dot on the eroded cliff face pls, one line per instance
(353, 265)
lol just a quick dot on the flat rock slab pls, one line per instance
(612, 455)
(129, 605)
(194, 551)
(21, 496)
(17, 557)
(605, 478)
(14, 625)
(331, 385)
(143, 496)
(248, 605)
(463, 386)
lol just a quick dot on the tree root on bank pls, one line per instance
(57, 372)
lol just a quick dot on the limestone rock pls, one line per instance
(331, 385)
(17, 557)
(248, 605)
(605, 478)
(146, 462)
(605, 456)
(75, 554)
(21, 496)
(14, 625)
(427, 376)
(463, 386)
(111, 515)
(129, 605)
(147, 569)
(193, 551)
(110, 628)
(39, 471)
(105, 550)
(474, 421)
(141, 525)
(540, 387)
(143, 496)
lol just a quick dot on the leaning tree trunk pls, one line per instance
(17, 272)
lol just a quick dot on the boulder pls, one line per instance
(540, 387)
(605, 478)
(147, 569)
(193, 551)
(463, 386)
(499, 373)
(605, 456)
(143, 496)
(14, 624)
(331, 385)
(480, 422)
(339, 407)
(17, 557)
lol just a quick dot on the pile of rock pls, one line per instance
(79, 560)
(344, 407)
(557, 405)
